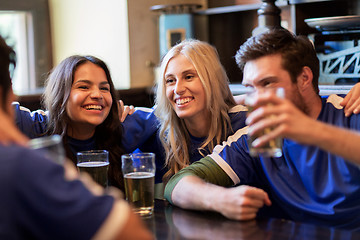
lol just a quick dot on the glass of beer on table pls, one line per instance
(139, 177)
(96, 164)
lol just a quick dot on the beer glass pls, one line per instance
(139, 177)
(51, 146)
(274, 147)
(96, 164)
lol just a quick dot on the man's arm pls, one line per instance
(202, 186)
(339, 141)
(293, 124)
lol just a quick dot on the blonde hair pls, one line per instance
(173, 133)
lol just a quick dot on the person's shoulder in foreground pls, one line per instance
(42, 201)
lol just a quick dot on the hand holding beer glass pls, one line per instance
(139, 177)
(96, 164)
(273, 148)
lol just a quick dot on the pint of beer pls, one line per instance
(139, 177)
(95, 163)
(274, 147)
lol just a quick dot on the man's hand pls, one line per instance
(125, 110)
(351, 101)
(283, 117)
(240, 99)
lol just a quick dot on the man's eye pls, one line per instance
(267, 84)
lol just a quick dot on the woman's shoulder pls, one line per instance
(237, 109)
(237, 116)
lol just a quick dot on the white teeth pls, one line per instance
(183, 101)
(93, 107)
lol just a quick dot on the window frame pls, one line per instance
(41, 34)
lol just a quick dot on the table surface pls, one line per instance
(170, 222)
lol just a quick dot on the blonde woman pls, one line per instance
(196, 109)
(195, 106)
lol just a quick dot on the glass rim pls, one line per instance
(90, 152)
(43, 142)
(137, 155)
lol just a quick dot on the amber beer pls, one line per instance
(274, 147)
(139, 189)
(97, 170)
(270, 149)
(139, 177)
(96, 164)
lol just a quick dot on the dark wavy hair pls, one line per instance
(7, 61)
(296, 51)
(107, 134)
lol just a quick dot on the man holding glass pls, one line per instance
(40, 199)
(316, 179)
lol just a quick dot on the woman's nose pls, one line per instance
(179, 88)
(96, 93)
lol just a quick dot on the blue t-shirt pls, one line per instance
(140, 133)
(237, 116)
(32, 124)
(77, 145)
(137, 128)
(306, 183)
(38, 203)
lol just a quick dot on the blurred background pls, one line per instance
(130, 36)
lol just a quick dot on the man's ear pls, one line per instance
(1, 97)
(305, 78)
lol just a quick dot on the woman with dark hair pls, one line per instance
(82, 107)
(43, 200)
